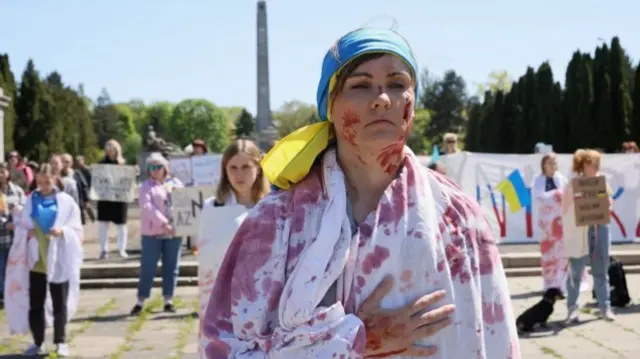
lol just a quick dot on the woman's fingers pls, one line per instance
(430, 329)
(373, 300)
(433, 316)
(418, 351)
(422, 303)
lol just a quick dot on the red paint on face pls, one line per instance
(350, 120)
(390, 156)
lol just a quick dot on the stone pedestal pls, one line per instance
(4, 103)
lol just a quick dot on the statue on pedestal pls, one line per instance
(154, 143)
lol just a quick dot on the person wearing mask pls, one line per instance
(112, 212)
(70, 186)
(49, 235)
(159, 238)
(81, 183)
(586, 244)
(21, 173)
(12, 199)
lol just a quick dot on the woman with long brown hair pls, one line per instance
(584, 244)
(241, 178)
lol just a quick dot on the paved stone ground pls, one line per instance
(102, 329)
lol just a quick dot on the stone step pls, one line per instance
(189, 268)
(184, 281)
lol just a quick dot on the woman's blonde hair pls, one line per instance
(261, 185)
(584, 157)
(116, 146)
(47, 169)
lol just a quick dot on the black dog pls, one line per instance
(539, 313)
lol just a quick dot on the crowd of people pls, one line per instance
(361, 251)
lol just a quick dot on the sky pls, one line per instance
(162, 50)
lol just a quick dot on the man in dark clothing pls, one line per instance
(82, 168)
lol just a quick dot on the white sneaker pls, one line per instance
(34, 350)
(607, 315)
(123, 254)
(62, 350)
(573, 316)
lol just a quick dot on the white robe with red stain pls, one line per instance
(295, 244)
(64, 259)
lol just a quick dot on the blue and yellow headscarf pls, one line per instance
(291, 158)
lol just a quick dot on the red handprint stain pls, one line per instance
(391, 155)
(350, 120)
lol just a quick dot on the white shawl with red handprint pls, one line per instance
(295, 244)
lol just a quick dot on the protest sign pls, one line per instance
(186, 205)
(181, 169)
(217, 229)
(591, 201)
(206, 169)
(113, 183)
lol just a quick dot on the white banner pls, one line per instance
(218, 227)
(186, 207)
(479, 173)
(113, 183)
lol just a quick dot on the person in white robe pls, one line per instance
(43, 271)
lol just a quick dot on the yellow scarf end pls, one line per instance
(290, 160)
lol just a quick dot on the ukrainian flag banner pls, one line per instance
(514, 191)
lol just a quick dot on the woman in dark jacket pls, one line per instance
(114, 212)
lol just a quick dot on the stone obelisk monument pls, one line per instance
(264, 124)
(4, 102)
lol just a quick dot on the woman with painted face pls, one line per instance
(586, 244)
(363, 252)
(49, 235)
(159, 238)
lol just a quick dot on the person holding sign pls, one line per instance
(363, 252)
(159, 238)
(586, 243)
(49, 236)
(114, 212)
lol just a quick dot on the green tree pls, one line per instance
(416, 140)
(635, 123)
(28, 135)
(198, 118)
(158, 115)
(8, 85)
(244, 124)
(106, 119)
(447, 103)
(620, 96)
(293, 115)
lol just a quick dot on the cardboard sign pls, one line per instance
(186, 208)
(591, 201)
(113, 183)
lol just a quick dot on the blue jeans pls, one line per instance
(4, 255)
(599, 246)
(154, 248)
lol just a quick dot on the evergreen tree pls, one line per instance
(620, 97)
(28, 136)
(106, 119)
(245, 124)
(8, 85)
(635, 122)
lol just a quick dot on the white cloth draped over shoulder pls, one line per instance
(294, 245)
(64, 260)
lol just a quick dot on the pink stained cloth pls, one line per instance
(295, 244)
